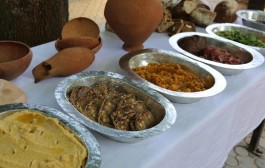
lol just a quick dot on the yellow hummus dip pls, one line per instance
(31, 139)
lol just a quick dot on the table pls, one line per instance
(204, 132)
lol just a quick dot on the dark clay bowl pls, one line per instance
(15, 58)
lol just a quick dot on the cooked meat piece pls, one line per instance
(83, 91)
(82, 102)
(73, 95)
(219, 55)
(100, 88)
(92, 108)
(123, 124)
(106, 109)
(127, 113)
(128, 99)
(144, 120)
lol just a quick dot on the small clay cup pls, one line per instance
(15, 57)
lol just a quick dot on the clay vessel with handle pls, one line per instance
(66, 62)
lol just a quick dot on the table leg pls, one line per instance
(255, 138)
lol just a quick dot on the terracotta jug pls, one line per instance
(133, 20)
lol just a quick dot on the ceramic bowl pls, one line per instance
(249, 57)
(80, 26)
(214, 81)
(15, 57)
(81, 41)
(218, 27)
(161, 108)
(87, 42)
(252, 18)
(81, 132)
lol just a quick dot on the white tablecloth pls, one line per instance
(204, 132)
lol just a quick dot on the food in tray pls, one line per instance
(171, 76)
(218, 54)
(261, 21)
(242, 37)
(111, 107)
(30, 139)
(199, 46)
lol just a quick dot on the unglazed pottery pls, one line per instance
(15, 58)
(133, 20)
(11, 93)
(80, 26)
(82, 41)
(66, 62)
(80, 32)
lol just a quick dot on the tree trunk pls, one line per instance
(32, 21)
(256, 4)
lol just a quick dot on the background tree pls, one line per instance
(32, 21)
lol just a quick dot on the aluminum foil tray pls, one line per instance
(94, 156)
(252, 18)
(215, 81)
(161, 108)
(249, 57)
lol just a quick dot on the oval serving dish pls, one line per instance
(218, 27)
(215, 82)
(248, 57)
(252, 18)
(82, 133)
(162, 109)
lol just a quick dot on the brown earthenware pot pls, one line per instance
(133, 20)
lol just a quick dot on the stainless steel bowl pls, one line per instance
(94, 156)
(250, 57)
(214, 80)
(161, 108)
(214, 28)
(252, 18)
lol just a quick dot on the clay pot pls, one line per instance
(15, 57)
(133, 20)
(66, 62)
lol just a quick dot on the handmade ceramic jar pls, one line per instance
(133, 20)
